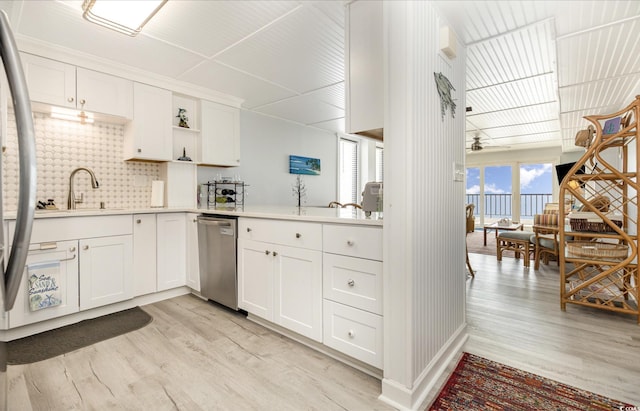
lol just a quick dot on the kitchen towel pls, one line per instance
(157, 193)
(44, 285)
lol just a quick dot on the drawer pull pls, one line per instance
(138, 221)
(86, 247)
(72, 249)
(352, 334)
(275, 254)
(350, 242)
(298, 235)
(267, 252)
(248, 229)
(351, 283)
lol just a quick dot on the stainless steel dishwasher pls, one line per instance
(217, 255)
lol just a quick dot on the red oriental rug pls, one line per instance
(480, 384)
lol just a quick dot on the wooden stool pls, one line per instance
(517, 241)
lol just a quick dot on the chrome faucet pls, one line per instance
(71, 200)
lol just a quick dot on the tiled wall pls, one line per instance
(64, 145)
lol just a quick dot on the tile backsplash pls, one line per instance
(64, 145)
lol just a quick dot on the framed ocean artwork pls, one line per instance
(304, 165)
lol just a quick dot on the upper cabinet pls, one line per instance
(149, 136)
(364, 69)
(59, 84)
(220, 139)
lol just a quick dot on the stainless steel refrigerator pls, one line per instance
(13, 267)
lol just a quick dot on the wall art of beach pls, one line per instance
(304, 165)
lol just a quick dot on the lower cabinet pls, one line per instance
(354, 332)
(282, 284)
(171, 250)
(105, 270)
(144, 254)
(49, 286)
(193, 263)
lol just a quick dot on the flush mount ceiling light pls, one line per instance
(127, 17)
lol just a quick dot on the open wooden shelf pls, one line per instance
(611, 164)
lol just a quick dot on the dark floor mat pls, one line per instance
(63, 340)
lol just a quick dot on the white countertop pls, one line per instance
(317, 214)
(347, 215)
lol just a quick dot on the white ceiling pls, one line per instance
(534, 67)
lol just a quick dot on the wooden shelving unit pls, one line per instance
(589, 275)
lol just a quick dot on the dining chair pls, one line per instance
(471, 226)
(545, 238)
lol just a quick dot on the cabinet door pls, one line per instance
(298, 291)
(220, 129)
(50, 81)
(255, 278)
(103, 93)
(144, 254)
(59, 284)
(172, 250)
(148, 135)
(193, 264)
(106, 265)
(364, 82)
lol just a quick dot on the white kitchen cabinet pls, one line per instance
(352, 291)
(364, 66)
(193, 263)
(144, 254)
(149, 135)
(255, 278)
(298, 290)
(354, 332)
(281, 284)
(50, 81)
(64, 85)
(220, 134)
(103, 93)
(171, 250)
(106, 265)
(61, 284)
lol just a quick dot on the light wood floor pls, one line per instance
(197, 356)
(514, 317)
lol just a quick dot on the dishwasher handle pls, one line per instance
(211, 221)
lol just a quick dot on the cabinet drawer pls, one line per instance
(353, 332)
(353, 281)
(363, 242)
(291, 233)
(72, 228)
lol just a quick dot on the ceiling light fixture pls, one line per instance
(127, 17)
(72, 115)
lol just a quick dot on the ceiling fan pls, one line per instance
(478, 146)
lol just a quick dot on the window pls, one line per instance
(348, 173)
(379, 163)
(535, 189)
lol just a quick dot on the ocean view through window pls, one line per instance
(491, 190)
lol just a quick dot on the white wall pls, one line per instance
(265, 146)
(424, 211)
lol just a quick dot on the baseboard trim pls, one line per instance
(337, 355)
(399, 396)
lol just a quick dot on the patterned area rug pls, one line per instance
(480, 384)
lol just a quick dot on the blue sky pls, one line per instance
(534, 179)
